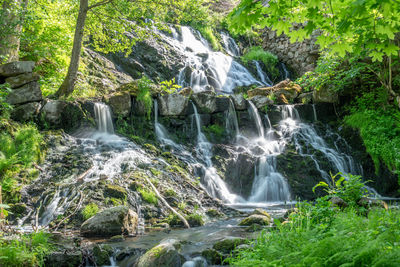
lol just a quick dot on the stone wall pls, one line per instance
(300, 57)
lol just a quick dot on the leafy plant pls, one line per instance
(170, 86)
(5, 108)
(89, 211)
(348, 187)
(144, 94)
(148, 196)
(208, 33)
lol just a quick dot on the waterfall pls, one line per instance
(231, 122)
(103, 117)
(214, 184)
(285, 73)
(257, 119)
(314, 112)
(162, 133)
(230, 45)
(206, 69)
(262, 75)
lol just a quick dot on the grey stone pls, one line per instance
(26, 112)
(239, 102)
(173, 105)
(15, 68)
(165, 254)
(28, 93)
(120, 103)
(205, 101)
(255, 219)
(110, 222)
(325, 95)
(261, 101)
(52, 111)
(22, 79)
(64, 259)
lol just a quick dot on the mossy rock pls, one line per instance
(165, 254)
(214, 213)
(255, 219)
(213, 257)
(229, 244)
(115, 191)
(102, 254)
(195, 220)
(18, 209)
(262, 212)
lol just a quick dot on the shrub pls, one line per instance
(89, 211)
(28, 250)
(259, 54)
(144, 94)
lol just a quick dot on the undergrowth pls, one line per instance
(323, 235)
(259, 54)
(89, 211)
(28, 250)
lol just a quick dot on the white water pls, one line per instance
(230, 45)
(214, 184)
(262, 75)
(231, 121)
(103, 118)
(257, 119)
(206, 69)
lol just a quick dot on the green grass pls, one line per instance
(208, 33)
(89, 211)
(28, 250)
(258, 53)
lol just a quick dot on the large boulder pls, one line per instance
(120, 103)
(28, 93)
(110, 222)
(52, 111)
(239, 101)
(285, 92)
(26, 112)
(173, 105)
(22, 79)
(206, 102)
(16, 68)
(261, 101)
(228, 244)
(165, 254)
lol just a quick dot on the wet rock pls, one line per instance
(102, 254)
(262, 212)
(229, 244)
(239, 101)
(173, 105)
(325, 95)
(196, 262)
(115, 191)
(205, 102)
(58, 114)
(120, 103)
(213, 213)
(255, 219)
(261, 101)
(222, 104)
(187, 91)
(15, 68)
(22, 79)
(64, 259)
(195, 220)
(28, 93)
(372, 203)
(26, 112)
(337, 201)
(305, 98)
(165, 254)
(110, 222)
(212, 256)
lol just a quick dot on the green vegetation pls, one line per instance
(324, 235)
(169, 87)
(144, 95)
(214, 131)
(379, 125)
(148, 196)
(89, 211)
(28, 250)
(259, 54)
(209, 34)
(20, 148)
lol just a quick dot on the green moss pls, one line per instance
(209, 34)
(115, 191)
(170, 193)
(89, 211)
(195, 220)
(148, 196)
(214, 131)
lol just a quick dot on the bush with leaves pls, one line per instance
(144, 94)
(267, 58)
(169, 87)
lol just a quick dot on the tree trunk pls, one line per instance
(10, 28)
(67, 87)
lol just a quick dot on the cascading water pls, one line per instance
(103, 118)
(214, 184)
(262, 75)
(257, 119)
(206, 69)
(231, 122)
(230, 45)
